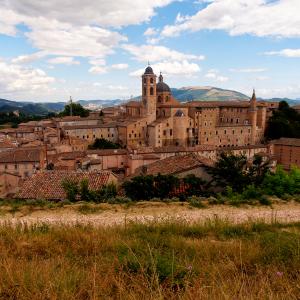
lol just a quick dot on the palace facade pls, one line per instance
(158, 119)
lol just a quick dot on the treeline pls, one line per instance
(285, 122)
(15, 120)
(234, 180)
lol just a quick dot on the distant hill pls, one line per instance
(184, 94)
(206, 93)
(30, 108)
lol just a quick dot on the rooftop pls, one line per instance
(48, 184)
(175, 164)
(21, 155)
(287, 142)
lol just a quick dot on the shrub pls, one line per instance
(196, 202)
(71, 189)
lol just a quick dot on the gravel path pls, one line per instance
(145, 212)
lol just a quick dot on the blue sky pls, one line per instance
(98, 49)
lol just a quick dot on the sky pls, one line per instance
(97, 49)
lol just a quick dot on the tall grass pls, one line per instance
(215, 260)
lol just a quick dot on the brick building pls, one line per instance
(287, 152)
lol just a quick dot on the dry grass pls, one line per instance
(214, 260)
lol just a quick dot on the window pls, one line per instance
(129, 135)
(16, 167)
(151, 80)
(144, 80)
(145, 91)
(151, 91)
(164, 132)
(171, 132)
(159, 99)
(108, 135)
(167, 98)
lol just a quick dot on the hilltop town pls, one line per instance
(155, 134)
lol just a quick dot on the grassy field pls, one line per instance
(214, 260)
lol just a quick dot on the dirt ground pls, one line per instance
(110, 215)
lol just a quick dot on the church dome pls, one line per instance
(149, 71)
(161, 86)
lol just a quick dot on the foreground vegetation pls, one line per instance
(215, 260)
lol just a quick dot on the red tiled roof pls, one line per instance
(48, 185)
(106, 152)
(21, 155)
(287, 142)
(175, 164)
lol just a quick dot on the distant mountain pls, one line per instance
(206, 93)
(184, 94)
(30, 108)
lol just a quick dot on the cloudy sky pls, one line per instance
(97, 49)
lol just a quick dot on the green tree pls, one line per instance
(103, 144)
(140, 187)
(285, 122)
(77, 110)
(164, 185)
(71, 189)
(196, 185)
(229, 170)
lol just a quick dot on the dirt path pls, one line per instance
(145, 212)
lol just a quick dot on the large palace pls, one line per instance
(160, 120)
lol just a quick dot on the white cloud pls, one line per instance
(16, 79)
(98, 70)
(63, 60)
(256, 17)
(28, 58)
(158, 53)
(151, 31)
(117, 87)
(183, 68)
(248, 70)
(215, 76)
(285, 53)
(119, 66)
(101, 13)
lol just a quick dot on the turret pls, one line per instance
(149, 93)
(253, 118)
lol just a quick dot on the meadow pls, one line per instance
(157, 260)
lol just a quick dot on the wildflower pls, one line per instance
(279, 274)
(190, 267)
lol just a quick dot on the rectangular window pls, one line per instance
(171, 132)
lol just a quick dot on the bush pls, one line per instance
(71, 189)
(251, 192)
(196, 202)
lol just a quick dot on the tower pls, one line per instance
(149, 93)
(253, 117)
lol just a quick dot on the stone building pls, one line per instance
(160, 120)
(287, 152)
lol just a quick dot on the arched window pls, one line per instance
(167, 98)
(159, 99)
(145, 80)
(151, 91)
(151, 80)
(145, 91)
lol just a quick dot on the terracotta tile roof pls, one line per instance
(175, 164)
(7, 144)
(106, 152)
(48, 184)
(134, 104)
(21, 155)
(287, 142)
(107, 125)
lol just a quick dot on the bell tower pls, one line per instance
(149, 93)
(253, 118)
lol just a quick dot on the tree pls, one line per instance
(140, 187)
(103, 144)
(195, 185)
(229, 170)
(77, 110)
(285, 122)
(164, 185)
(71, 189)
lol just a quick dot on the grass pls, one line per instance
(215, 260)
